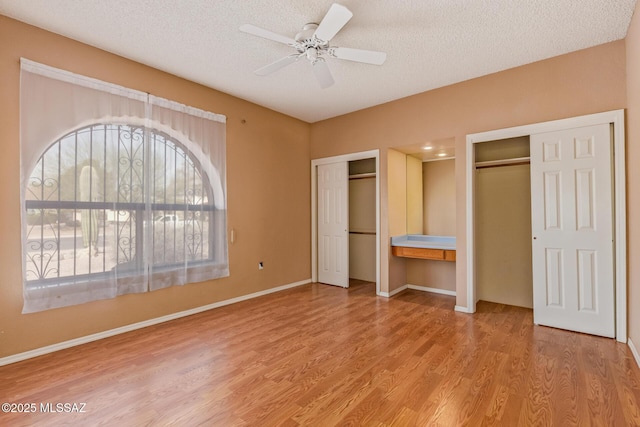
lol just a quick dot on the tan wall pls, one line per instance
(386, 259)
(268, 204)
(439, 181)
(583, 82)
(431, 274)
(362, 205)
(633, 175)
(509, 148)
(414, 196)
(503, 235)
(397, 193)
(397, 215)
(362, 257)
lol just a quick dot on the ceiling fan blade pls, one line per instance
(266, 34)
(323, 74)
(275, 66)
(333, 21)
(359, 55)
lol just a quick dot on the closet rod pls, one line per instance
(363, 175)
(504, 162)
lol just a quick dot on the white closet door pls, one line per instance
(333, 224)
(572, 225)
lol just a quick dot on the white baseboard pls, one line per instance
(634, 350)
(392, 293)
(462, 309)
(417, 288)
(432, 290)
(121, 330)
(397, 291)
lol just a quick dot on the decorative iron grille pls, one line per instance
(99, 192)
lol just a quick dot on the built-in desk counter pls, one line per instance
(421, 246)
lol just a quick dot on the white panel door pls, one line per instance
(333, 224)
(572, 229)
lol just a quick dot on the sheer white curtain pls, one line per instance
(122, 192)
(200, 190)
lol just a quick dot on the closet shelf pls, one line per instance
(503, 162)
(363, 175)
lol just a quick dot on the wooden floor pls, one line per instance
(321, 355)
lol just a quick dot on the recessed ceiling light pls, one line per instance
(428, 147)
(441, 154)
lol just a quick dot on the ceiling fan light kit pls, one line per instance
(313, 42)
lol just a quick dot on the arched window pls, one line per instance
(98, 193)
(122, 191)
(95, 195)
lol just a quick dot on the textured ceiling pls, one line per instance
(429, 43)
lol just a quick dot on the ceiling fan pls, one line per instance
(313, 43)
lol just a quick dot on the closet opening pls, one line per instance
(503, 222)
(362, 221)
(345, 197)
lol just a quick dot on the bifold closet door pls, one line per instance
(333, 224)
(572, 230)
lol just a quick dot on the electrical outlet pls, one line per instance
(260, 265)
